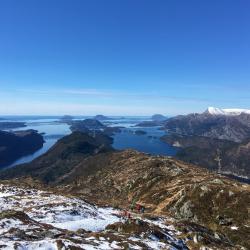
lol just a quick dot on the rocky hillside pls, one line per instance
(232, 128)
(166, 187)
(203, 205)
(218, 155)
(216, 139)
(17, 144)
(62, 157)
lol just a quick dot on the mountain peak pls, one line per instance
(228, 112)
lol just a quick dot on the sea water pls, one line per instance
(53, 129)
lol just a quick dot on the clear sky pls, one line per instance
(133, 57)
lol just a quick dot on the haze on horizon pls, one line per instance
(123, 57)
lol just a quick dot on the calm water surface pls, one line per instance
(53, 130)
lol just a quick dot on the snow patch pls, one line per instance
(227, 112)
(43, 215)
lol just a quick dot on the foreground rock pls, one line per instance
(17, 144)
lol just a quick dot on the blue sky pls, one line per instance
(134, 57)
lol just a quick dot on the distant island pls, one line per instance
(86, 125)
(158, 117)
(101, 118)
(12, 125)
(149, 124)
(67, 118)
(156, 120)
(90, 125)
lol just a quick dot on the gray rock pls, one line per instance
(185, 210)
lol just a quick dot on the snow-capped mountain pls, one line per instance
(229, 112)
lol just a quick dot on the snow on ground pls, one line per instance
(229, 112)
(56, 210)
(33, 219)
(73, 214)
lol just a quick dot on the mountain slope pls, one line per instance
(216, 139)
(17, 144)
(218, 155)
(36, 219)
(62, 157)
(165, 186)
(232, 128)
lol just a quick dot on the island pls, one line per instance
(110, 131)
(149, 124)
(12, 125)
(158, 117)
(90, 125)
(86, 125)
(101, 118)
(66, 118)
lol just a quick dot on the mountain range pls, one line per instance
(84, 194)
(228, 127)
(216, 139)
